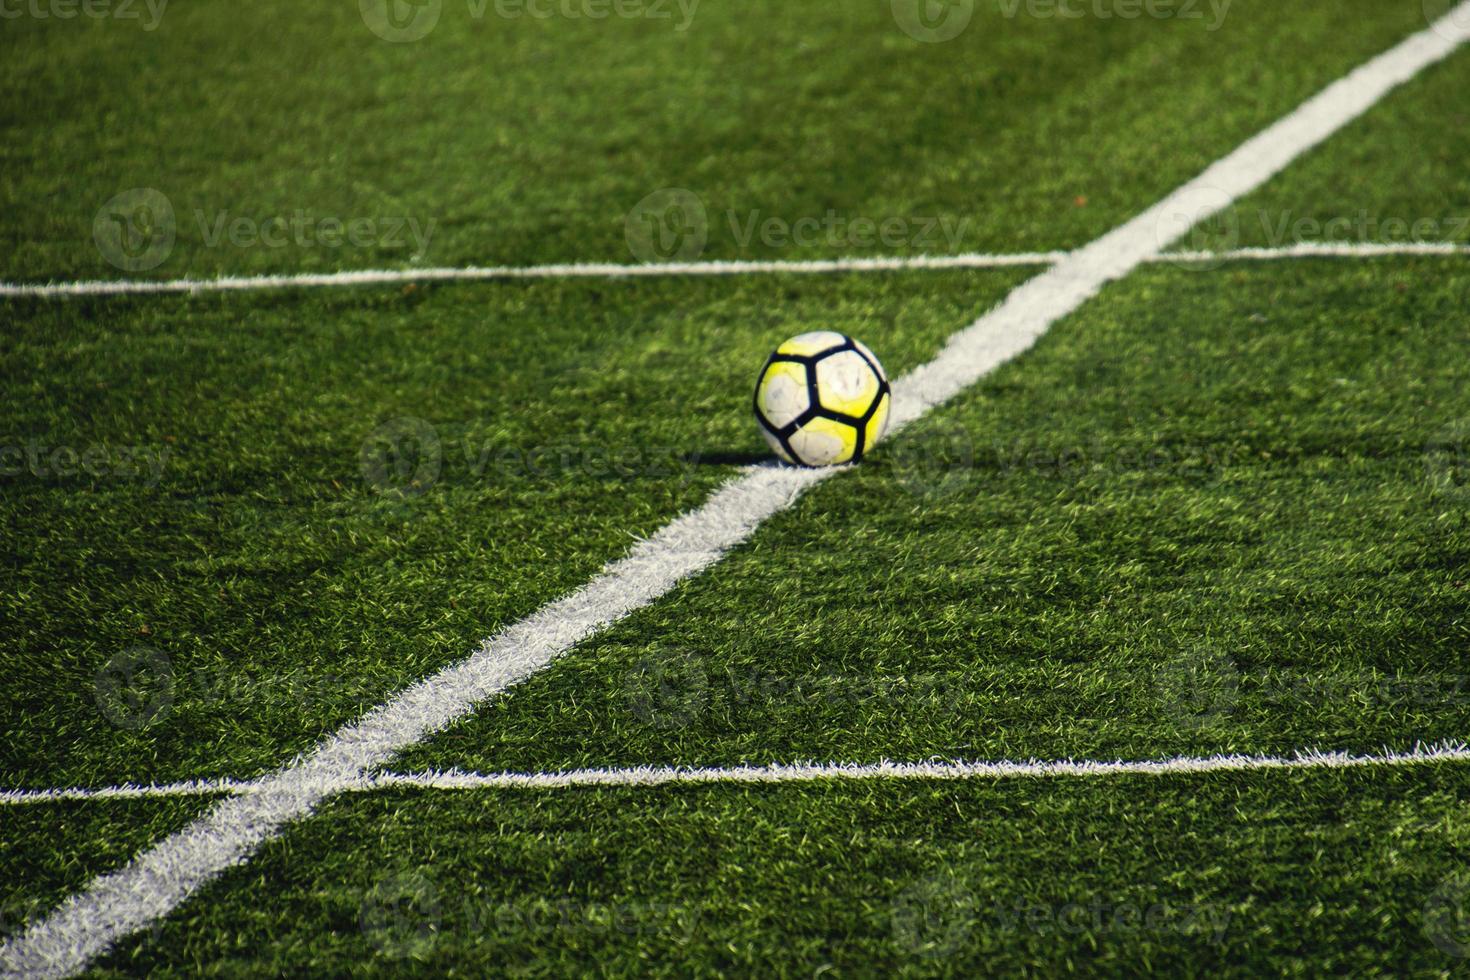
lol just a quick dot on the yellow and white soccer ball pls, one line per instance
(822, 399)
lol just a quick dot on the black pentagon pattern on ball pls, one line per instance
(815, 409)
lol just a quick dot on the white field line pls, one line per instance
(1327, 250)
(127, 791)
(370, 277)
(643, 776)
(588, 270)
(161, 877)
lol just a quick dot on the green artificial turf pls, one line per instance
(270, 586)
(52, 850)
(518, 140)
(1392, 176)
(1220, 509)
(1215, 524)
(1239, 874)
(1247, 542)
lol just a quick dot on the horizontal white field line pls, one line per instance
(371, 277)
(127, 791)
(594, 270)
(798, 773)
(1307, 250)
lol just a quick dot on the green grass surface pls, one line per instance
(1216, 510)
(51, 850)
(1207, 525)
(1237, 874)
(1395, 176)
(528, 140)
(287, 588)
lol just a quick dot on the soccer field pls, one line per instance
(397, 583)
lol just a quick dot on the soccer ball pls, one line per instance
(822, 399)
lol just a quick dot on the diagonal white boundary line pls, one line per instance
(644, 776)
(161, 877)
(595, 270)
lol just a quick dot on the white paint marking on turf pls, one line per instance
(638, 776)
(1330, 250)
(164, 875)
(127, 791)
(371, 277)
